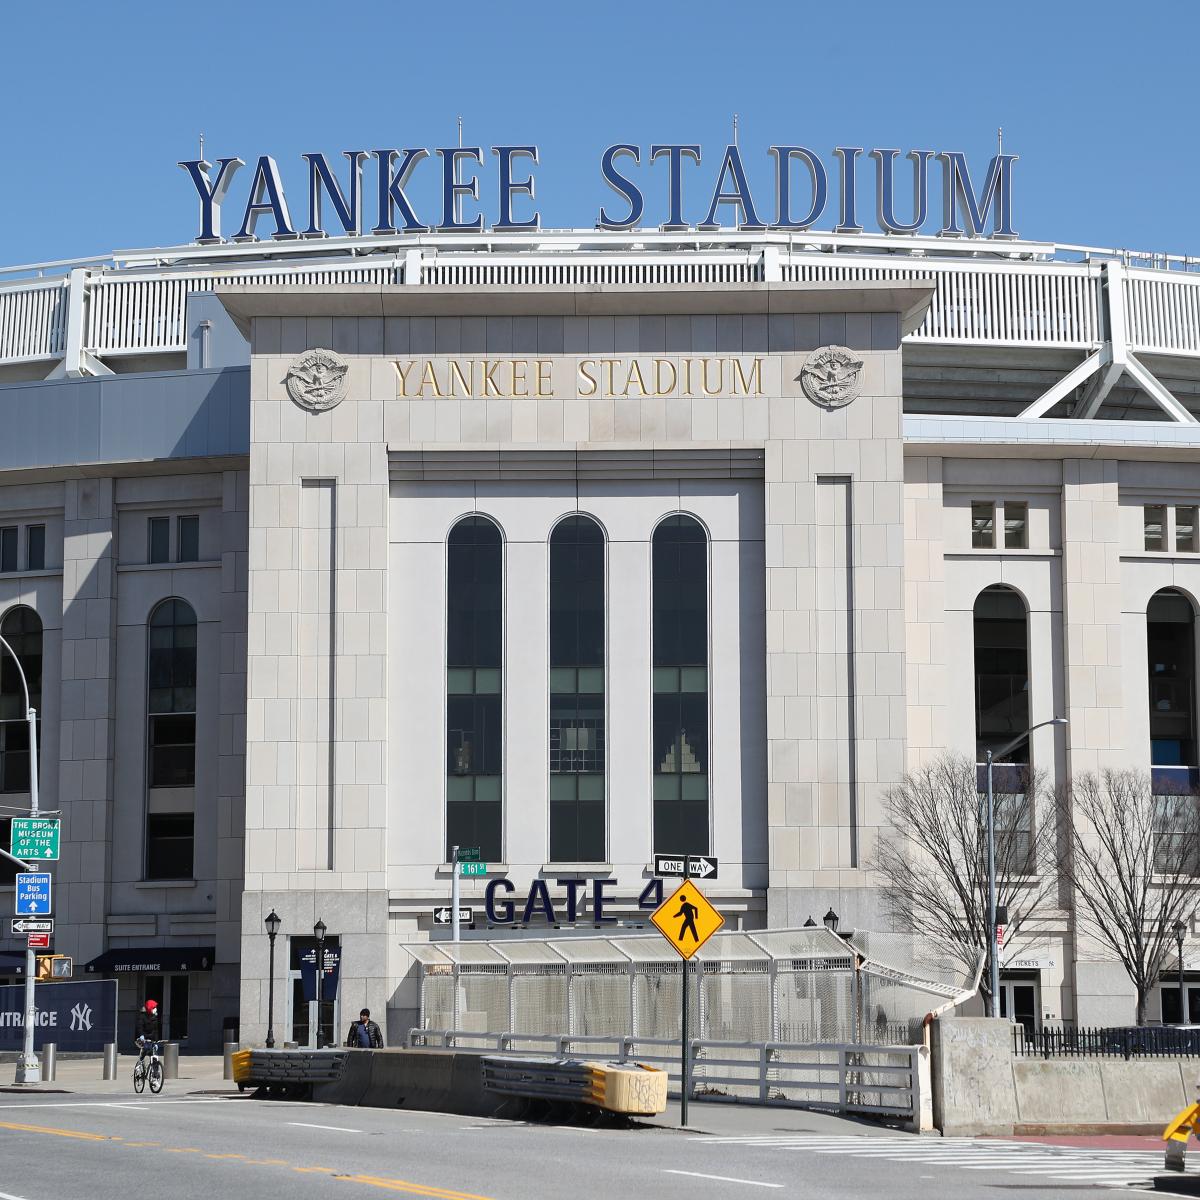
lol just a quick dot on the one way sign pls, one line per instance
(445, 915)
(681, 866)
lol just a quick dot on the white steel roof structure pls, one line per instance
(1101, 334)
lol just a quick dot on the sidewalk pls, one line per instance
(85, 1075)
(751, 1120)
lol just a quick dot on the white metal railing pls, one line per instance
(1162, 312)
(33, 320)
(988, 293)
(843, 1076)
(145, 314)
(1051, 305)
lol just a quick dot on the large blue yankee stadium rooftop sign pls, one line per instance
(805, 186)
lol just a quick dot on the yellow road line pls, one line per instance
(67, 1133)
(390, 1185)
(412, 1189)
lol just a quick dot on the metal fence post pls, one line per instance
(764, 1056)
(773, 984)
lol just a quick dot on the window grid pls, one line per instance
(474, 685)
(8, 548)
(171, 695)
(983, 525)
(22, 629)
(577, 686)
(35, 548)
(680, 691)
(1154, 527)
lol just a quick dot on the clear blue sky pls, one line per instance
(100, 100)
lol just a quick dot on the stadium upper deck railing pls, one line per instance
(988, 293)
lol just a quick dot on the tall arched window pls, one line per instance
(172, 695)
(1001, 672)
(577, 691)
(1171, 660)
(680, 658)
(474, 686)
(22, 630)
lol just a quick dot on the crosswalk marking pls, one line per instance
(1105, 1168)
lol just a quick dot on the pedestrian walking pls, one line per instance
(364, 1033)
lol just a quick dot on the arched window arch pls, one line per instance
(680, 671)
(1171, 662)
(171, 695)
(21, 628)
(474, 686)
(1001, 672)
(577, 832)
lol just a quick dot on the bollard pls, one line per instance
(170, 1060)
(230, 1049)
(110, 1060)
(49, 1061)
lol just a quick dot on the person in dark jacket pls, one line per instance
(149, 1028)
(364, 1033)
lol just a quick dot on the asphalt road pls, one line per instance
(75, 1146)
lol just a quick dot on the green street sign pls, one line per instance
(468, 854)
(473, 868)
(35, 838)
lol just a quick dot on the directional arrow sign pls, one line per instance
(701, 866)
(23, 925)
(445, 915)
(35, 837)
(668, 865)
(33, 894)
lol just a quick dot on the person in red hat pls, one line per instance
(149, 1028)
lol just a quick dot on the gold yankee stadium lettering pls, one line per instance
(591, 378)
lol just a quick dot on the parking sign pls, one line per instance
(33, 894)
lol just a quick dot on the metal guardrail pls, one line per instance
(848, 1078)
(1146, 1041)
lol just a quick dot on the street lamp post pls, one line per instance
(272, 923)
(28, 1069)
(993, 948)
(319, 931)
(1180, 929)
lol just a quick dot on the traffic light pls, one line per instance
(45, 964)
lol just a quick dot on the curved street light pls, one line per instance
(28, 1069)
(993, 948)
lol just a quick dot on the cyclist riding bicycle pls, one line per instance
(149, 1029)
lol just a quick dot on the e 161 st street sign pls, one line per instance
(472, 868)
(35, 838)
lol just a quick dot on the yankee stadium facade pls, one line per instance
(361, 533)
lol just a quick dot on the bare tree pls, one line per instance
(1131, 858)
(932, 862)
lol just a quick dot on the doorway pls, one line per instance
(1020, 1002)
(300, 1011)
(172, 993)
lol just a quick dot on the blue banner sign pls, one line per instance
(74, 1016)
(308, 973)
(686, 194)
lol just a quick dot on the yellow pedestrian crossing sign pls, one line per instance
(686, 919)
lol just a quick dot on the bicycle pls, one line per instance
(148, 1072)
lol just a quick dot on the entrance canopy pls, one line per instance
(155, 960)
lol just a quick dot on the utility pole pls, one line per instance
(28, 1068)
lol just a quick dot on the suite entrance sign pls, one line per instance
(34, 838)
(687, 920)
